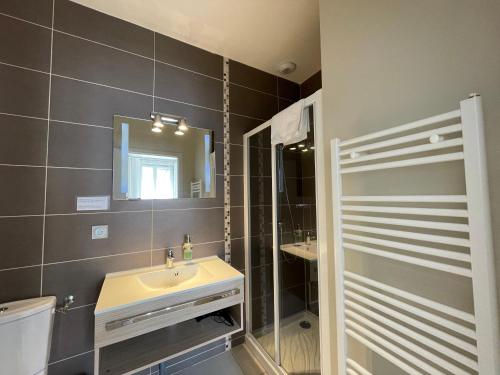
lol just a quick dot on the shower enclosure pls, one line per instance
(284, 237)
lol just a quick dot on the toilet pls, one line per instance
(25, 333)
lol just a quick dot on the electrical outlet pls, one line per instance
(99, 232)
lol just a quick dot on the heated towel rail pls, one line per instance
(450, 234)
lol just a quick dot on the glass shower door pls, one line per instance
(260, 241)
(297, 257)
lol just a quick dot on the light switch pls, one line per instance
(99, 232)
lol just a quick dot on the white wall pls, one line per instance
(388, 62)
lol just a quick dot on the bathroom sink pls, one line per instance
(167, 278)
(146, 299)
(303, 250)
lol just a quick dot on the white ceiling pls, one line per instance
(260, 33)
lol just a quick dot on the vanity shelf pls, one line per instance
(132, 355)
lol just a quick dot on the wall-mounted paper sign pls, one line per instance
(92, 203)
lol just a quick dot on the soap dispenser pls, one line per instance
(187, 248)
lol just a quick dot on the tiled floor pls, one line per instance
(236, 362)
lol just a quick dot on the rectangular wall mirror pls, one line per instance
(151, 162)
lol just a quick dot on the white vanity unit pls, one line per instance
(146, 316)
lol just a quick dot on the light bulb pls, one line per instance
(178, 132)
(183, 127)
(155, 129)
(157, 122)
(305, 150)
(302, 145)
(293, 148)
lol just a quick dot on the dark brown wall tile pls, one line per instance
(310, 85)
(284, 104)
(78, 58)
(260, 191)
(38, 11)
(199, 251)
(177, 53)
(248, 76)
(78, 324)
(262, 280)
(21, 190)
(237, 223)
(69, 237)
(256, 154)
(238, 253)
(261, 250)
(237, 191)
(21, 241)
(199, 117)
(262, 138)
(240, 125)
(80, 146)
(20, 283)
(288, 89)
(204, 225)
(257, 214)
(24, 92)
(91, 24)
(60, 279)
(81, 364)
(64, 185)
(24, 44)
(87, 103)
(22, 140)
(252, 103)
(184, 86)
(236, 159)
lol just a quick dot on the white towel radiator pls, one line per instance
(417, 334)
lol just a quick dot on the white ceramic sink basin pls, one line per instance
(167, 278)
(303, 250)
(129, 288)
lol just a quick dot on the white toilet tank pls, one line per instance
(25, 333)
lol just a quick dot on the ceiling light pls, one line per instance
(183, 126)
(287, 67)
(302, 145)
(157, 122)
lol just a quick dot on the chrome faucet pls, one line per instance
(170, 257)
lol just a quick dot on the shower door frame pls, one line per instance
(326, 301)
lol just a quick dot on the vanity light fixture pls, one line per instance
(160, 119)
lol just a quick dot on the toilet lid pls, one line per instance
(15, 310)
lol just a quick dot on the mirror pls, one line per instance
(153, 164)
